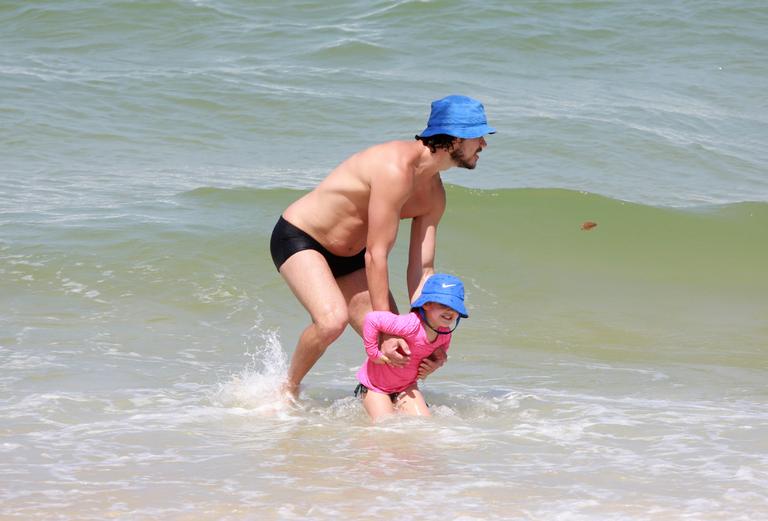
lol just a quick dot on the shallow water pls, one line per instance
(617, 373)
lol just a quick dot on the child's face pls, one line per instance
(439, 315)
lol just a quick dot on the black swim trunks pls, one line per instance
(361, 391)
(287, 239)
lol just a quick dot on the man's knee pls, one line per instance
(331, 325)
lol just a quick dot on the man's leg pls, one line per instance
(309, 277)
(355, 289)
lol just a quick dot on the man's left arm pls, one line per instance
(421, 264)
(421, 251)
(432, 363)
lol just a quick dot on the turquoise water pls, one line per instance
(617, 373)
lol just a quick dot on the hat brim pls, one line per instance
(452, 302)
(460, 132)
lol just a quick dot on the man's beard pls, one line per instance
(461, 161)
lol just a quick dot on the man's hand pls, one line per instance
(396, 350)
(433, 362)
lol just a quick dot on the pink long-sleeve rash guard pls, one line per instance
(387, 379)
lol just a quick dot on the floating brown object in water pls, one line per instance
(588, 225)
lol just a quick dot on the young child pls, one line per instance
(427, 328)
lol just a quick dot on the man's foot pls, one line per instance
(289, 391)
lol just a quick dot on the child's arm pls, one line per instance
(371, 344)
(371, 331)
(378, 322)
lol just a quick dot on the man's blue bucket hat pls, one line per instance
(444, 289)
(457, 116)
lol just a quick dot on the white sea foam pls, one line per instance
(257, 388)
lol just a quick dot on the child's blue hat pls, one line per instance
(444, 289)
(457, 116)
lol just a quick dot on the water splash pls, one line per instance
(257, 388)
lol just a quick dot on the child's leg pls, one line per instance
(378, 405)
(412, 402)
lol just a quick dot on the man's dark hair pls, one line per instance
(437, 141)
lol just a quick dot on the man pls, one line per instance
(332, 245)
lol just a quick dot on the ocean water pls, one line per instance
(147, 148)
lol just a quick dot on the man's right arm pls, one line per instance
(390, 189)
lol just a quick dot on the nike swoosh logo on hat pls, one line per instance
(448, 285)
